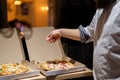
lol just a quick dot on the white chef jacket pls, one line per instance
(106, 61)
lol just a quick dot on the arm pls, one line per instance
(68, 33)
(80, 34)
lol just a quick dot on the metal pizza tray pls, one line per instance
(33, 72)
(77, 67)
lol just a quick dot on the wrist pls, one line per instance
(60, 32)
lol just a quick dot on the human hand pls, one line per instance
(53, 36)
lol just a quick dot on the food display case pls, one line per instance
(41, 51)
(11, 52)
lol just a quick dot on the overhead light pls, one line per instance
(44, 8)
(17, 2)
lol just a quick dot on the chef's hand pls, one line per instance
(53, 36)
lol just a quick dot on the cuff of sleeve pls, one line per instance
(83, 34)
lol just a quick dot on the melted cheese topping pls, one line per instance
(11, 68)
(56, 65)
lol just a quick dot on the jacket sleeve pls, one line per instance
(87, 33)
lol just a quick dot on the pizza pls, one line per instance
(12, 68)
(56, 65)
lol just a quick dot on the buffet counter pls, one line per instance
(39, 51)
(85, 73)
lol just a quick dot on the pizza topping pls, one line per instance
(56, 65)
(11, 68)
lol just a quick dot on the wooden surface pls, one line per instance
(39, 77)
(85, 73)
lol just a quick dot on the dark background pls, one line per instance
(3, 14)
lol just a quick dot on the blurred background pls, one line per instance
(56, 13)
(40, 13)
(36, 12)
